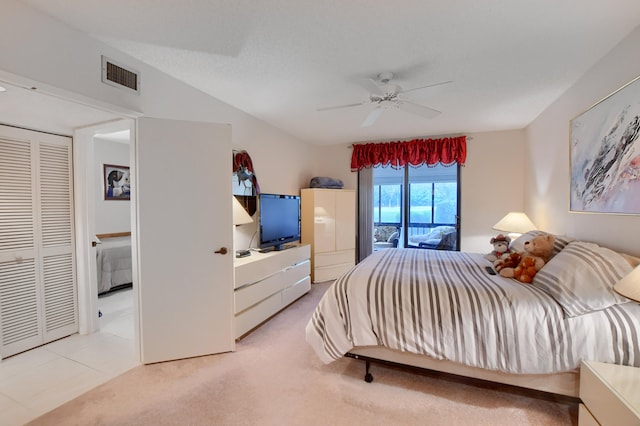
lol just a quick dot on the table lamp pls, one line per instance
(515, 223)
(240, 215)
(629, 286)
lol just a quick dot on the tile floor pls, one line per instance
(43, 378)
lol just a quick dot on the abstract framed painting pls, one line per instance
(605, 154)
(116, 182)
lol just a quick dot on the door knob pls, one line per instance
(223, 250)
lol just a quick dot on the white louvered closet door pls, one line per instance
(38, 300)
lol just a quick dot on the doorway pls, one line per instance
(112, 224)
(416, 207)
(35, 110)
(85, 357)
(175, 215)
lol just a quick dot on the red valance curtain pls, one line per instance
(446, 151)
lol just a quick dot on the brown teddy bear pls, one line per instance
(500, 247)
(510, 260)
(537, 252)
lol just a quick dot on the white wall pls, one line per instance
(111, 215)
(547, 169)
(492, 181)
(68, 63)
(335, 161)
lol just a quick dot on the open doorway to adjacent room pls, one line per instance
(112, 220)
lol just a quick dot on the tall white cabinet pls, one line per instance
(329, 226)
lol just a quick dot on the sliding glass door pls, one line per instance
(416, 207)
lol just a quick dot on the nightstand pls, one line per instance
(610, 394)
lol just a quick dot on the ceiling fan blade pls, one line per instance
(434, 87)
(341, 106)
(372, 117)
(421, 110)
(370, 86)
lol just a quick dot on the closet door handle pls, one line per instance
(223, 250)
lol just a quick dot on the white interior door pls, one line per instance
(183, 214)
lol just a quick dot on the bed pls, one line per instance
(442, 311)
(114, 261)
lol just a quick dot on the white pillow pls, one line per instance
(581, 278)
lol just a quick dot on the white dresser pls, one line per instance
(266, 283)
(610, 394)
(329, 225)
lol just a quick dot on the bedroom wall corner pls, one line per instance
(492, 183)
(283, 165)
(547, 153)
(334, 161)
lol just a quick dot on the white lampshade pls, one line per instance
(240, 215)
(629, 286)
(515, 222)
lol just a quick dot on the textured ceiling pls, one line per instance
(281, 60)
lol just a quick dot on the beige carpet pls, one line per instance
(274, 378)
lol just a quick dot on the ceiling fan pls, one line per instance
(385, 95)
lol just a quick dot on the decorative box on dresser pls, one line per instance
(266, 283)
(610, 394)
(329, 225)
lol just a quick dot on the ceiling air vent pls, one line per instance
(116, 75)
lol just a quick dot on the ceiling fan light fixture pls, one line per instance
(385, 95)
(385, 77)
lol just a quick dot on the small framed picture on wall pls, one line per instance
(116, 182)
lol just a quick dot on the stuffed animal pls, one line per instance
(500, 247)
(536, 253)
(509, 260)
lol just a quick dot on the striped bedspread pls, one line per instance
(445, 305)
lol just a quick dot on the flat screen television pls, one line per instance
(279, 220)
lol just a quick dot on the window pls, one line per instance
(387, 204)
(430, 202)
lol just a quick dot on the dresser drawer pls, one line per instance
(255, 270)
(327, 273)
(585, 418)
(253, 317)
(250, 295)
(334, 258)
(296, 272)
(292, 293)
(295, 255)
